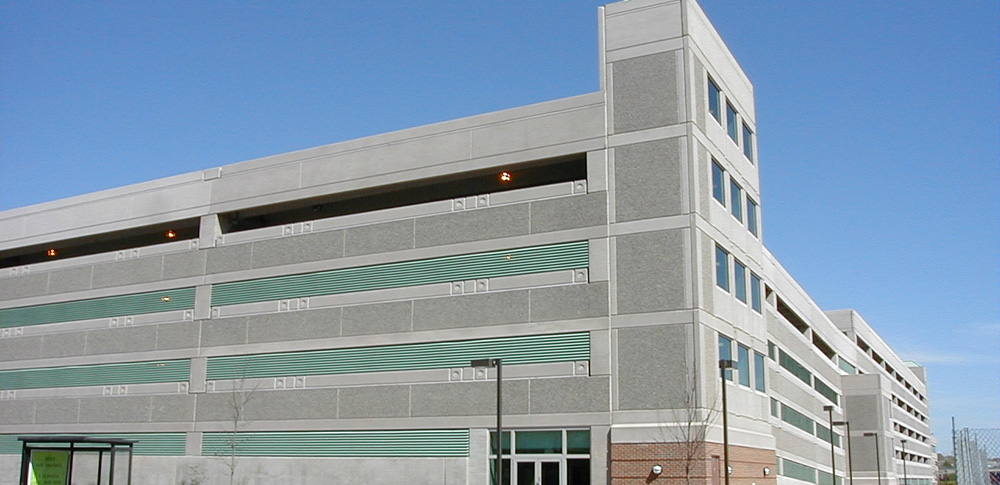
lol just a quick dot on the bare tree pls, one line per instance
(691, 428)
(240, 397)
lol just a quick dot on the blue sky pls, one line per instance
(877, 121)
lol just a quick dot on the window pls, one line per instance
(731, 123)
(718, 182)
(537, 454)
(748, 142)
(721, 268)
(740, 280)
(714, 100)
(736, 195)
(726, 353)
(759, 369)
(744, 365)
(755, 292)
(752, 216)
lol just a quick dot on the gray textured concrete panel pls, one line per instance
(650, 271)
(873, 409)
(652, 366)
(224, 259)
(374, 402)
(473, 225)
(128, 272)
(63, 345)
(570, 395)
(378, 318)
(20, 348)
(468, 399)
(301, 325)
(23, 286)
(180, 335)
(464, 311)
(172, 409)
(645, 92)
(267, 404)
(296, 249)
(71, 279)
(700, 93)
(379, 238)
(56, 411)
(223, 331)
(114, 409)
(182, 265)
(17, 412)
(648, 180)
(121, 340)
(569, 212)
(569, 302)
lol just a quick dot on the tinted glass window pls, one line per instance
(736, 195)
(718, 182)
(714, 99)
(759, 369)
(751, 216)
(744, 365)
(740, 281)
(731, 126)
(747, 142)
(722, 268)
(726, 353)
(755, 292)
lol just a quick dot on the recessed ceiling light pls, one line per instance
(171, 234)
(52, 252)
(505, 176)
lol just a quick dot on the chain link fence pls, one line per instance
(977, 456)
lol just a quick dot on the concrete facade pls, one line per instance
(340, 346)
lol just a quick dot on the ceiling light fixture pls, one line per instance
(505, 176)
(51, 252)
(171, 234)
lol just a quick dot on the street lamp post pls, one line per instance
(878, 461)
(498, 363)
(833, 461)
(905, 478)
(723, 365)
(847, 436)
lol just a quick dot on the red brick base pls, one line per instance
(631, 464)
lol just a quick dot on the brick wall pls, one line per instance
(631, 464)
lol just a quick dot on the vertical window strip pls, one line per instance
(743, 364)
(747, 142)
(740, 280)
(736, 197)
(759, 371)
(726, 353)
(752, 216)
(755, 284)
(731, 123)
(714, 100)
(722, 268)
(718, 182)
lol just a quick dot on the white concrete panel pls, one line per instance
(641, 22)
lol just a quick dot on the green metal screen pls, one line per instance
(431, 355)
(149, 444)
(492, 264)
(111, 306)
(410, 443)
(97, 375)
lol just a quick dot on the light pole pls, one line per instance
(878, 461)
(905, 478)
(723, 365)
(498, 363)
(833, 461)
(850, 466)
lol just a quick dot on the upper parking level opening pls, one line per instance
(519, 176)
(101, 243)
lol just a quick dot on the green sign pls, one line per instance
(48, 467)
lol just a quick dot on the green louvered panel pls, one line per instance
(9, 445)
(432, 355)
(493, 264)
(111, 306)
(97, 375)
(149, 444)
(422, 443)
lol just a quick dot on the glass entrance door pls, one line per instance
(538, 472)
